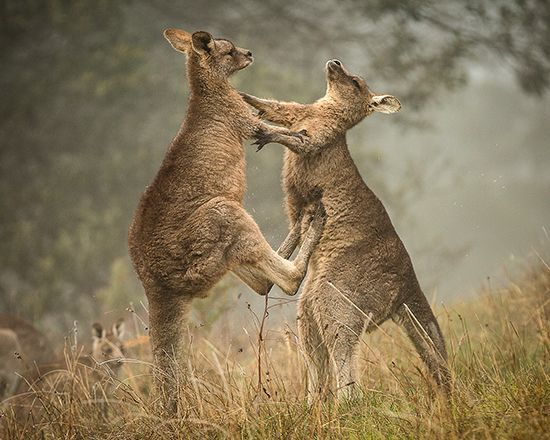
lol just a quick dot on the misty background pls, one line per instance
(92, 94)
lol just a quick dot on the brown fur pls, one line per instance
(190, 226)
(9, 362)
(89, 373)
(21, 347)
(106, 355)
(35, 347)
(360, 274)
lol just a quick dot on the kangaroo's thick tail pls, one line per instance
(418, 321)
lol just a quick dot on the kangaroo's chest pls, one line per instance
(302, 177)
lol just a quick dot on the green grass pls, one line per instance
(499, 349)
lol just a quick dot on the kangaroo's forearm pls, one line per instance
(297, 145)
(272, 131)
(284, 113)
(266, 134)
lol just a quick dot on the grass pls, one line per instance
(499, 349)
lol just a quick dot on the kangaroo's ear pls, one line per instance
(385, 104)
(202, 42)
(119, 328)
(97, 331)
(180, 40)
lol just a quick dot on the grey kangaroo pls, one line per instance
(360, 274)
(190, 227)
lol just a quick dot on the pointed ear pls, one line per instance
(119, 328)
(202, 42)
(385, 104)
(180, 40)
(97, 331)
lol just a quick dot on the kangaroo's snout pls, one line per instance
(334, 65)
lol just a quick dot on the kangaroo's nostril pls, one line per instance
(249, 53)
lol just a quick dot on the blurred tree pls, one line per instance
(88, 106)
(68, 76)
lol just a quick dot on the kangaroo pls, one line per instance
(105, 356)
(91, 374)
(360, 273)
(35, 347)
(9, 362)
(190, 227)
(107, 346)
(21, 347)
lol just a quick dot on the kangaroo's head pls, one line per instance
(107, 344)
(211, 58)
(352, 95)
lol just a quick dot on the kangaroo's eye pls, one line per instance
(356, 83)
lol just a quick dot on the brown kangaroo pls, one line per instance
(360, 273)
(35, 347)
(9, 362)
(105, 357)
(91, 374)
(190, 227)
(21, 347)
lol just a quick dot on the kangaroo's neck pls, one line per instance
(206, 84)
(342, 118)
(210, 102)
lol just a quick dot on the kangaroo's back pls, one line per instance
(35, 346)
(9, 362)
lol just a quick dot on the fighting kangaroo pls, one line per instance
(190, 227)
(360, 273)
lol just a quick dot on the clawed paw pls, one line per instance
(319, 215)
(300, 135)
(321, 212)
(262, 140)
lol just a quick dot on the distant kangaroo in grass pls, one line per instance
(78, 374)
(190, 227)
(360, 273)
(26, 352)
(22, 347)
(108, 351)
(10, 350)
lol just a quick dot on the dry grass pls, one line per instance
(499, 345)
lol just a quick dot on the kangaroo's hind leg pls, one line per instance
(341, 323)
(254, 278)
(251, 257)
(343, 340)
(167, 316)
(315, 352)
(418, 321)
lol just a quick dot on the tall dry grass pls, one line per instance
(499, 348)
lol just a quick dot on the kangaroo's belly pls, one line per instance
(361, 256)
(189, 257)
